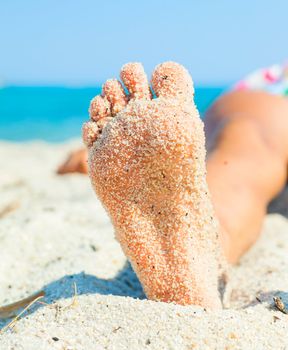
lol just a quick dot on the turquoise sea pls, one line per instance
(56, 113)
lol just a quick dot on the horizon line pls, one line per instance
(95, 85)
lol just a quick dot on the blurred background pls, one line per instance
(55, 55)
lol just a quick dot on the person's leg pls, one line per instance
(246, 134)
(247, 152)
(75, 163)
(247, 141)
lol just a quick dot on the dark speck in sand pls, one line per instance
(93, 247)
(49, 209)
(165, 77)
(55, 338)
(280, 305)
(148, 342)
(116, 329)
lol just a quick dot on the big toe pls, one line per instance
(172, 80)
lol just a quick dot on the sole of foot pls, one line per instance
(147, 165)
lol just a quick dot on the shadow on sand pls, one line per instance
(125, 284)
(267, 297)
(280, 204)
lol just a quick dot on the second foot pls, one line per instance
(147, 166)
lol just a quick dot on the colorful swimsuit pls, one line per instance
(273, 79)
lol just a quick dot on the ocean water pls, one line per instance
(56, 114)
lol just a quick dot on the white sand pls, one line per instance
(59, 236)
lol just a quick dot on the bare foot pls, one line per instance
(147, 165)
(75, 163)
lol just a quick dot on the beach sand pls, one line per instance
(54, 235)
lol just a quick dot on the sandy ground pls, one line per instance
(54, 235)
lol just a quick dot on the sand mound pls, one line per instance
(54, 235)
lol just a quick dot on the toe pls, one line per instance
(115, 94)
(135, 79)
(171, 80)
(99, 108)
(90, 132)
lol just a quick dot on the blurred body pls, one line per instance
(247, 148)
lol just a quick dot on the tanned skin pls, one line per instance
(247, 149)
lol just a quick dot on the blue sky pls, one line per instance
(83, 42)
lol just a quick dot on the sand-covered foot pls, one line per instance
(147, 165)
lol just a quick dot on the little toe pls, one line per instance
(90, 133)
(135, 79)
(172, 80)
(115, 94)
(99, 108)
